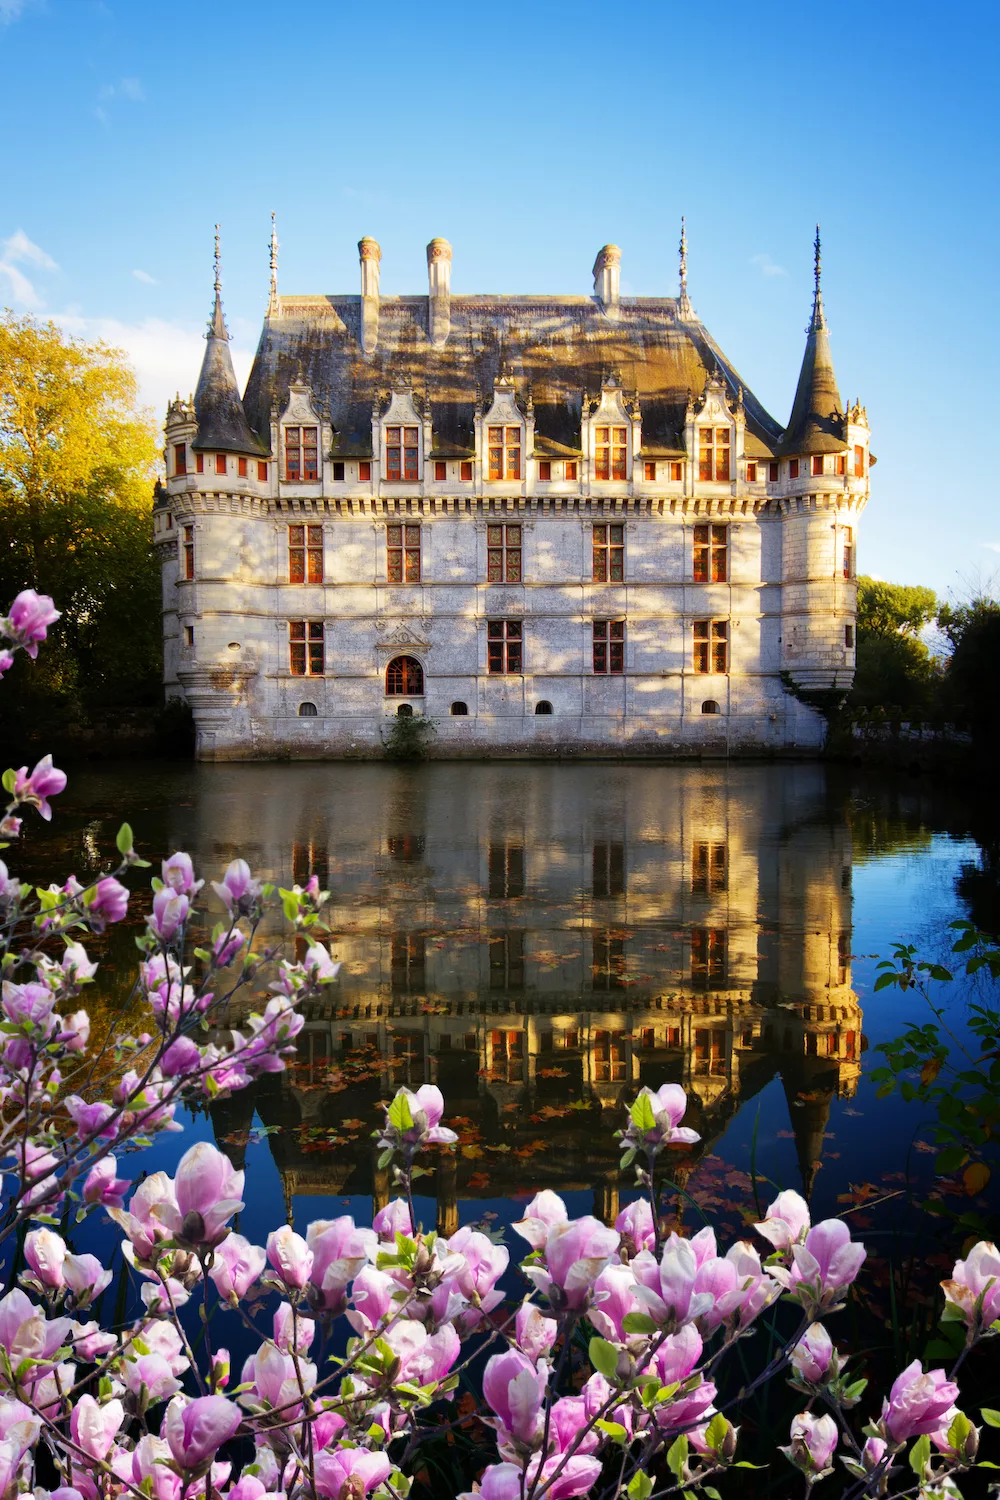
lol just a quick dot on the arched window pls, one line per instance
(404, 678)
(543, 707)
(459, 709)
(307, 710)
(710, 707)
(404, 711)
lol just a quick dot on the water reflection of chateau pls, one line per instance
(532, 937)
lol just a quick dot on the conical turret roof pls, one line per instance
(817, 421)
(218, 406)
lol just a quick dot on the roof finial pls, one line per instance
(272, 301)
(684, 302)
(818, 317)
(216, 324)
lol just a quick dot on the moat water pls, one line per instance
(541, 940)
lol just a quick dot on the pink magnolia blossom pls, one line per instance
(195, 1430)
(614, 1299)
(561, 1478)
(567, 1421)
(576, 1253)
(220, 1370)
(535, 1334)
(161, 1337)
(30, 616)
(170, 912)
(371, 1294)
(813, 1358)
(339, 1251)
(917, 1402)
(76, 966)
(668, 1104)
(74, 1032)
(814, 1440)
(515, 1392)
(823, 1267)
(109, 902)
(319, 965)
(974, 1278)
(6, 661)
(483, 1265)
(274, 1376)
(293, 1334)
(178, 875)
(667, 1290)
(545, 1210)
(236, 1265)
(227, 945)
(154, 1373)
(145, 1220)
(426, 1108)
(207, 1193)
(786, 1221)
(290, 1256)
(425, 1359)
(635, 1225)
(237, 890)
(392, 1220)
(44, 782)
(90, 1342)
(738, 1283)
(674, 1363)
(94, 1427)
(349, 1471)
(85, 1277)
(45, 1253)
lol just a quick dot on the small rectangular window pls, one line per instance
(708, 867)
(859, 459)
(305, 554)
(713, 454)
(570, 470)
(545, 469)
(504, 452)
(301, 454)
(180, 459)
(402, 453)
(708, 953)
(609, 646)
(676, 470)
(772, 473)
(848, 552)
(609, 553)
(241, 467)
(711, 554)
(503, 554)
(170, 522)
(503, 647)
(402, 544)
(338, 471)
(465, 472)
(507, 972)
(199, 462)
(506, 871)
(751, 473)
(189, 552)
(262, 471)
(841, 463)
(610, 452)
(440, 470)
(711, 646)
(220, 463)
(608, 973)
(649, 470)
(793, 468)
(189, 635)
(305, 648)
(817, 463)
(849, 637)
(365, 469)
(608, 870)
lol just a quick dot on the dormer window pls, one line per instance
(610, 452)
(301, 454)
(402, 451)
(504, 452)
(713, 454)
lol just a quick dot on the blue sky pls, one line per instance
(529, 135)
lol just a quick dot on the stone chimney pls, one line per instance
(439, 292)
(370, 253)
(607, 275)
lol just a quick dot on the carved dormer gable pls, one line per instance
(301, 436)
(611, 432)
(716, 425)
(504, 433)
(400, 438)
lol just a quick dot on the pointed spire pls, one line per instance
(684, 307)
(816, 424)
(218, 406)
(272, 301)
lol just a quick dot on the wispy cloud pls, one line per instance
(129, 89)
(18, 251)
(992, 546)
(10, 10)
(145, 278)
(767, 266)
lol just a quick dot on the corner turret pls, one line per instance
(817, 421)
(222, 422)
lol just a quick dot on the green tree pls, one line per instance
(77, 464)
(972, 676)
(893, 667)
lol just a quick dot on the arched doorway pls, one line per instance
(404, 678)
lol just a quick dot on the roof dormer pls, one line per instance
(715, 431)
(302, 437)
(502, 434)
(611, 432)
(401, 439)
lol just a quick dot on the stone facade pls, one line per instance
(548, 525)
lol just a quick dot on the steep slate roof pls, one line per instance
(817, 421)
(222, 423)
(558, 345)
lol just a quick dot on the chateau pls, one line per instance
(547, 524)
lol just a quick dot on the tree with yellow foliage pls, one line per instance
(77, 466)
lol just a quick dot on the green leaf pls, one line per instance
(990, 1416)
(9, 778)
(124, 840)
(717, 1431)
(615, 1431)
(641, 1113)
(400, 1117)
(677, 1456)
(950, 1159)
(640, 1486)
(920, 1455)
(637, 1322)
(603, 1357)
(742, 1464)
(290, 906)
(884, 980)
